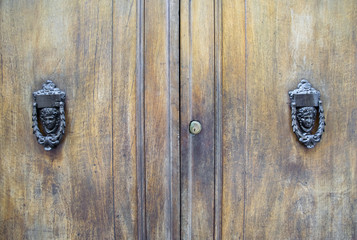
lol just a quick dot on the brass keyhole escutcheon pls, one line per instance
(195, 127)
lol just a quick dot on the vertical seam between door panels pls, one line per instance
(217, 228)
(246, 116)
(140, 120)
(190, 116)
(169, 136)
(113, 183)
(179, 117)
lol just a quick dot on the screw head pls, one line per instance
(195, 127)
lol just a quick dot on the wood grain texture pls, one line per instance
(233, 118)
(126, 19)
(293, 192)
(161, 112)
(218, 164)
(65, 193)
(197, 66)
(136, 73)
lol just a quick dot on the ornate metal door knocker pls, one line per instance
(49, 101)
(304, 103)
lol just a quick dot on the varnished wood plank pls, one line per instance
(294, 192)
(126, 95)
(233, 118)
(161, 105)
(65, 193)
(197, 65)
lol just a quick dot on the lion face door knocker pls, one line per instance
(49, 106)
(305, 107)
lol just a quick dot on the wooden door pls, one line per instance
(136, 73)
(116, 172)
(246, 176)
(66, 193)
(293, 192)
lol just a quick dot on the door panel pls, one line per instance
(293, 192)
(197, 64)
(233, 118)
(136, 73)
(65, 193)
(125, 92)
(161, 105)
(146, 106)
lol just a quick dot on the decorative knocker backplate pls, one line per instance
(49, 106)
(306, 105)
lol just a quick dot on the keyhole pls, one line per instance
(195, 127)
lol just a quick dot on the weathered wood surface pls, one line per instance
(116, 174)
(197, 65)
(71, 43)
(146, 104)
(125, 154)
(233, 118)
(293, 192)
(66, 193)
(161, 119)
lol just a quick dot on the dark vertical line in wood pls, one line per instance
(189, 183)
(218, 120)
(140, 120)
(246, 116)
(173, 58)
(169, 113)
(186, 116)
(179, 120)
(113, 165)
